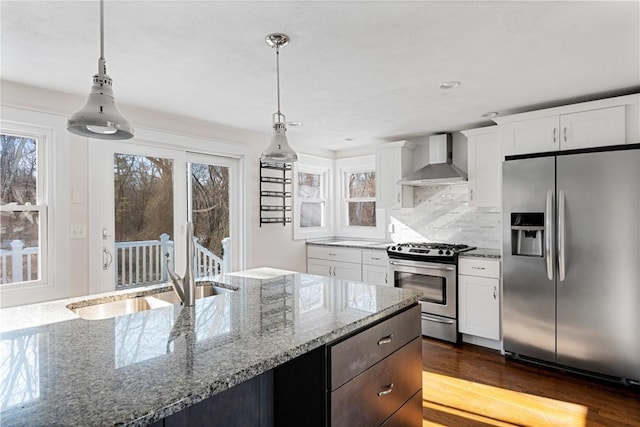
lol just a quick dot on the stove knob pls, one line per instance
(427, 251)
(399, 248)
(440, 252)
(448, 253)
(392, 248)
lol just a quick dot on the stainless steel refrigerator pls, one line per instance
(571, 272)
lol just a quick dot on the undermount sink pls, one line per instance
(137, 303)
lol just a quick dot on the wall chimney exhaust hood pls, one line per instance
(440, 169)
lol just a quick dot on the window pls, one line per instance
(311, 191)
(361, 198)
(23, 213)
(312, 216)
(358, 213)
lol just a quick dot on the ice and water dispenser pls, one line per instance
(527, 234)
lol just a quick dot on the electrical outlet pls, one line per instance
(78, 231)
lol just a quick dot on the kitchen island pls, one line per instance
(153, 366)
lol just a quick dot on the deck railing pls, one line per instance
(135, 263)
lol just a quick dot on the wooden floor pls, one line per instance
(467, 385)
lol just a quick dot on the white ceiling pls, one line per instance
(365, 69)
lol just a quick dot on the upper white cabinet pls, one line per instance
(393, 161)
(484, 166)
(604, 122)
(592, 128)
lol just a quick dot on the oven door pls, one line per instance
(436, 282)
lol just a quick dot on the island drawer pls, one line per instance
(373, 396)
(337, 254)
(375, 258)
(352, 356)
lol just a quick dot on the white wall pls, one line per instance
(270, 245)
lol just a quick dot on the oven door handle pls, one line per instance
(436, 319)
(399, 264)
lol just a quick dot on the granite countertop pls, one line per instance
(356, 244)
(138, 368)
(482, 253)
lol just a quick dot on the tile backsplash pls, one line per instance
(441, 213)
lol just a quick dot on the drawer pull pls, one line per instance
(332, 254)
(478, 268)
(385, 340)
(388, 389)
(375, 258)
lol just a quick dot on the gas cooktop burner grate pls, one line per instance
(427, 250)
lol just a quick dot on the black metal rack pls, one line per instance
(274, 178)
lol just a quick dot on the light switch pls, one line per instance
(78, 231)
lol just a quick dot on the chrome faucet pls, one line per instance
(186, 287)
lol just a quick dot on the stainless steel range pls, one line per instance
(431, 268)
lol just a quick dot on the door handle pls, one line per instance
(555, 132)
(386, 278)
(548, 223)
(561, 236)
(107, 258)
(495, 293)
(565, 134)
(388, 389)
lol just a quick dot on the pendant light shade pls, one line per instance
(100, 117)
(278, 150)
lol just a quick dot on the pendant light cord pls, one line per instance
(102, 29)
(278, 77)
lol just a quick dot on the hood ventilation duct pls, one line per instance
(440, 169)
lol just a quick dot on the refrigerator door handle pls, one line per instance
(548, 223)
(561, 236)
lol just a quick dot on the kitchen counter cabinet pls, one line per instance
(368, 378)
(176, 364)
(479, 297)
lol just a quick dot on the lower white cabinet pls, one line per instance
(479, 297)
(362, 265)
(337, 269)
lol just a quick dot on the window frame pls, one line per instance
(317, 166)
(55, 278)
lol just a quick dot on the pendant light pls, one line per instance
(278, 150)
(100, 117)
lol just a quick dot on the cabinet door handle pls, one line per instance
(398, 197)
(386, 278)
(555, 132)
(388, 389)
(495, 293)
(385, 340)
(471, 194)
(565, 134)
(334, 271)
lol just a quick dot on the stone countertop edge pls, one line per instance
(352, 244)
(481, 253)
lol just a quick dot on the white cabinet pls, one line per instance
(393, 161)
(485, 167)
(479, 297)
(375, 268)
(341, 263)
(583, 129)
(592, 128)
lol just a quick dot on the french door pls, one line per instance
(141, 196)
